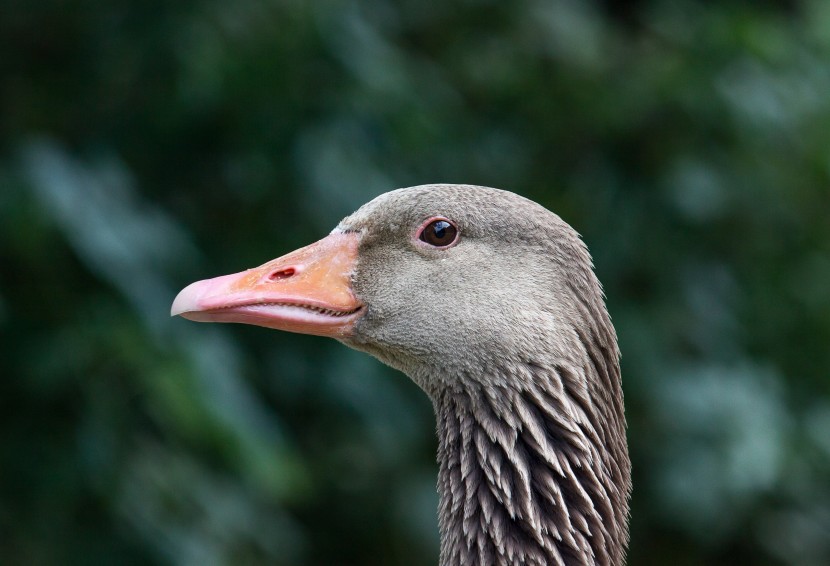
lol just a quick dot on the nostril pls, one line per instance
(282, 274)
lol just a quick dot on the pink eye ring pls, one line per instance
(439, 233)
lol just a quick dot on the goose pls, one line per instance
(489, 302)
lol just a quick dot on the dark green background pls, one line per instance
(144, 145)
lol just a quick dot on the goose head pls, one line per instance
(488, 301)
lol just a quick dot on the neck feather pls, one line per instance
(535, 474)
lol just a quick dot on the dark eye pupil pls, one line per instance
(439, 233)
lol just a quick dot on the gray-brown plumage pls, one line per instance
(508, 334)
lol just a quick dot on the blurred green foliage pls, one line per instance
(147, 145)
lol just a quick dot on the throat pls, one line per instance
(530, 476)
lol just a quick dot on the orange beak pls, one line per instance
(307, 291)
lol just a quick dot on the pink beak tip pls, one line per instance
(185, 301)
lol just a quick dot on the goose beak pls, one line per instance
(307, 291)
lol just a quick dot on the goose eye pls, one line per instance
(439, 233)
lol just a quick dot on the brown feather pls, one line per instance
(508, 334)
